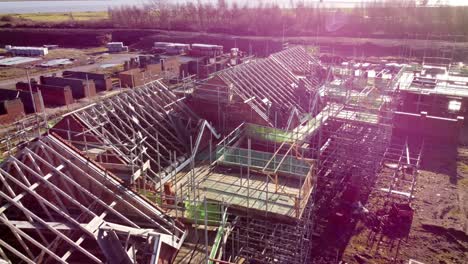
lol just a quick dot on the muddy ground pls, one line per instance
(439, 230)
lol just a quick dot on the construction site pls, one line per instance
(276, 159)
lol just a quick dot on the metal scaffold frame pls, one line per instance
(255, 194)
(146, 127)
(50, 210)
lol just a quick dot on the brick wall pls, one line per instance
(80, 88)
(131, 78)
(52, 95)
(25, 96)
(101, 81)
(11, 110)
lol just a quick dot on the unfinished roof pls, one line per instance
(268, 87)
(57, 206)
(445, 85)
(148, 123)
(297, 60)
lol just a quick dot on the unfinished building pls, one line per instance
(101, 81)
(436, 89)
(11, 110)
(147, 127)
(31, 101)
(300, 153)
(263, 91)
(80, 88)
(434, 99)
(59, 206)
(51, 95)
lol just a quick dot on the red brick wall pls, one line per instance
(102, 82)
(131, 78)
(80, 88)
(52, 95)
(13, 110)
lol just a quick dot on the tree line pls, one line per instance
(392, 18)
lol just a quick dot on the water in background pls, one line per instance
(22, 7)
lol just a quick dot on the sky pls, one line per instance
(18, 6)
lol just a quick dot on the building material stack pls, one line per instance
(27, 51)
(117, 47)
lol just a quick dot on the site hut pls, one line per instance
(117, 47)
(27, 51)
(80, 88)
(102, 81)
(206, 50)
(52, 95)
(31, 102)
(170, 48)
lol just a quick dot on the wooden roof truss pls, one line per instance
(154, 118)
(58, 206)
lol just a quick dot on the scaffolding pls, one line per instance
(145, 127)
(53, 199)
(260, 193)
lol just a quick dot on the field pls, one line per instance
(62, 17)
(80, 56)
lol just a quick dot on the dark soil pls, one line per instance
(144, 39)
(439, 230)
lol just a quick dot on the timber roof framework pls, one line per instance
(59, 206)
(148, 123)
(277, 88)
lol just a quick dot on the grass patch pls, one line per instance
(62, 17)
(196, 213)
(462, 167)
(64, 53)
(463, 183)
(151, 196)
(454, 212)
